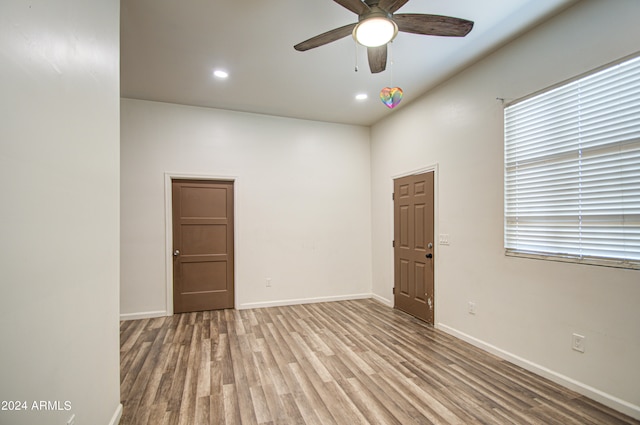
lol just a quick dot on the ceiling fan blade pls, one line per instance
(356, 6)
(447, 26)
(324, 38)
(377, 58)
(391, 5)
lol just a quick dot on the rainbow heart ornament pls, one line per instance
(391, 96)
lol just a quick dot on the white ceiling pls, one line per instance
(169, 49)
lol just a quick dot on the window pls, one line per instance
(572, 170)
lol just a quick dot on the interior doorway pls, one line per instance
(203, 245)
(413, 206)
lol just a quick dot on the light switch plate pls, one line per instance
(443, 239)
(577, 342)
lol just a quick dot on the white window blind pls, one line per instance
(572, 170)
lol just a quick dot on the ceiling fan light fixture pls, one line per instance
(375, 31)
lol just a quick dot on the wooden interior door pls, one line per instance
(413, 245)
(202, 245)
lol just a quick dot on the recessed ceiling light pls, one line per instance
(220, 73)
(361, 96)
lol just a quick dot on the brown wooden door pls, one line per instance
(413, 245)
(202, 245)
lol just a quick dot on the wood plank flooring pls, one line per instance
(347, 362)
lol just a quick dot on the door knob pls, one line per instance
(176, 253)
(429, 255)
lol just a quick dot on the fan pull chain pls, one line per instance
(355, 49)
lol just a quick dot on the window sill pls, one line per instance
(592, 261)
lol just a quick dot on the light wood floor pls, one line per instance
(348, 362)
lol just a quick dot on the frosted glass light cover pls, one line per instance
(375, 32)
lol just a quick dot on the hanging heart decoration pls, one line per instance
(391, 96)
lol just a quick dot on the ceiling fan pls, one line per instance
(378, 24)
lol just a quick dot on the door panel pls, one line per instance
(419, 282)
(203, 276)
(418, 229)
(413, 235)
(403, 237)
(203, 245)
(203, 202)
(403, 283)
(204, 239)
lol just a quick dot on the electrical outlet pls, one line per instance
(72, 420)
(443, 239)
(577, 342)
(268, 282)
(472, 307)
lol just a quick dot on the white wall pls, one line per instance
(303, 214)
(527, 310)
(59, 214)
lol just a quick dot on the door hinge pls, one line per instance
(393, 196)
(393, 290)
(393, 244)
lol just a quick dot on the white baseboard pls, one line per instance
(577, 386)
(385, 301)
(115, 419)
(142, 315)
(280, 303)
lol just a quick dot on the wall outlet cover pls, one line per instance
(578, 342)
